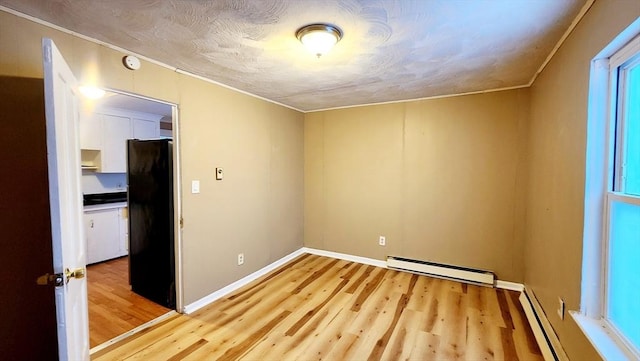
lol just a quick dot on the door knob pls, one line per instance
(77, 273)
(58, 280)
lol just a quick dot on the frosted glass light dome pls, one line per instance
(319, 38)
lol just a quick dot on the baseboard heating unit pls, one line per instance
(469, 275)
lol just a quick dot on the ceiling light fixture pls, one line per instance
(319, 38)
(91, 92)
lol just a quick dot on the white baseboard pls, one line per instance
(190, 308)
(542, 330)
(512, 286)
(346, 257)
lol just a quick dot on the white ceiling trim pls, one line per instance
(558, 45)
(128, 52)
(425, 98)
(180, 71)
(564, 37)
(82, 36)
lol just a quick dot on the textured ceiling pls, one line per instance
(391, 50)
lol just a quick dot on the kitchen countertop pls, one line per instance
(99, 207)
(104, 198)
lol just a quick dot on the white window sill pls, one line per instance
(604, 341)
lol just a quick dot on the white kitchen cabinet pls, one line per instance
(102, 233)
(106, 231)
(145, 129)
(117, 130)
(104, 134)
(91, 131)
(123, 216)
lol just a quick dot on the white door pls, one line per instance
(69, 249)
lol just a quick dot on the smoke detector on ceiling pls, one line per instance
(131, 62)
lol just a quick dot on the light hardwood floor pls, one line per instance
(328, 309)
(113, 308)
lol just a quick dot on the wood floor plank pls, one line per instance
(426, 347)
(484, 339)
(113, 308)
(367, 290)
(526, 347)
(327, 334)
(266, 278)
(187, 351)
(301, 322)
(404, 337)
(238, 350)
(382, 342)
(453, 340)
(315, 276)
(121, 347)
(343, 347)
(360, 280)
(318, 308)
(374, 317)
(504, 309)
(131, 346)
(420, 301)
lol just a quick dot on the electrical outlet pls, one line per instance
(195, 186)
(561, 308)
(240, 259)
(219, 173)
(382, 241)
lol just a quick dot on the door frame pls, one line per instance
(177, 192)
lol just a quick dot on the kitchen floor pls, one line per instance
(113, 308)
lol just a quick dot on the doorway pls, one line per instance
(114, 309)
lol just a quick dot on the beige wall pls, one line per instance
(448, 180)
(442, 179)
(257, 209)
(553, 246)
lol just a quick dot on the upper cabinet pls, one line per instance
(104, 134)
(91, 131)
(145, 129)
(116, 132)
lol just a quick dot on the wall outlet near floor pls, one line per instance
(561, 308)
(240, 259)
(382, 241)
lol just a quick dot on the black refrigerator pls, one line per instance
(151, 228)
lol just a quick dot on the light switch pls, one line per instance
(219, 173)
(195, 186)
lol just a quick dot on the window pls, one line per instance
(610, 304)
(622, 213)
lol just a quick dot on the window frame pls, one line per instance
(601, 189)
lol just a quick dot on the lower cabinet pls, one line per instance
(106, 234)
